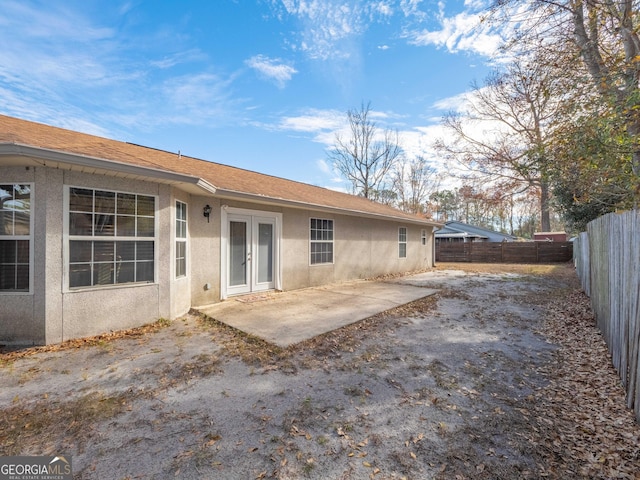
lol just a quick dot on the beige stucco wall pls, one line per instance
(204, 251)
(52, 313)
(363, 247)
(96, 310)
(50, 213)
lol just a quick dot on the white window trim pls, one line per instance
(184, 240)
(29, 237)
(332, 241)
(405, 242)
(423, 236)
(66, 239)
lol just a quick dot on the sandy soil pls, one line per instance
(459, 385)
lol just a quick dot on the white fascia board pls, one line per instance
(43, 155)
(235, 195)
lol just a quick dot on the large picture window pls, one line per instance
(15, 237)
(181, 239)
(321, 235)
(111, 237)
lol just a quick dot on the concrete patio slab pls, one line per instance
(287, 318)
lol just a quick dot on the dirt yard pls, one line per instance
(501, 375)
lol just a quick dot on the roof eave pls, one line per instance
(235, 195)
(38, 156)
(45, 157)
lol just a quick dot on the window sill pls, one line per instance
(99, 288)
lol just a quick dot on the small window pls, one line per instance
(112, 237)
(181, 239)
(15, 238)
(423, 237)
(321, 236)
(402, 242)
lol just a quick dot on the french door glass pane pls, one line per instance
(265, 252)
(237, 253)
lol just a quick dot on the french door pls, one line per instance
(251, 253)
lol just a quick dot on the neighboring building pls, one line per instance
(550, 237)
(99, 235)
(455, 231)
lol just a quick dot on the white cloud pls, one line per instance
(330, 29)
(324, 167)
(455, 103)
(62, 65)
(52, 23)
(461, 32)
(314, 121)
(272, 69)
(187, 56)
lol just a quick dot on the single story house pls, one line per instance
(99, 235)
(454, 231)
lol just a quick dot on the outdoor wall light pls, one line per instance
(206, 211)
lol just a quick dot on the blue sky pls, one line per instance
(262, 85)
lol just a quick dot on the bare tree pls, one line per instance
(504, 136)
(601, 39)
(413, 182)
(366, 156)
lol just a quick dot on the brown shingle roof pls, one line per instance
(223, 177)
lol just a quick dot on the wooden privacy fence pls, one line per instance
(504, 252)
(607, 259)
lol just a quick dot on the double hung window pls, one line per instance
(112, 237)
(402, 242)
(321, 235)
(15, 237)
(181, 239)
